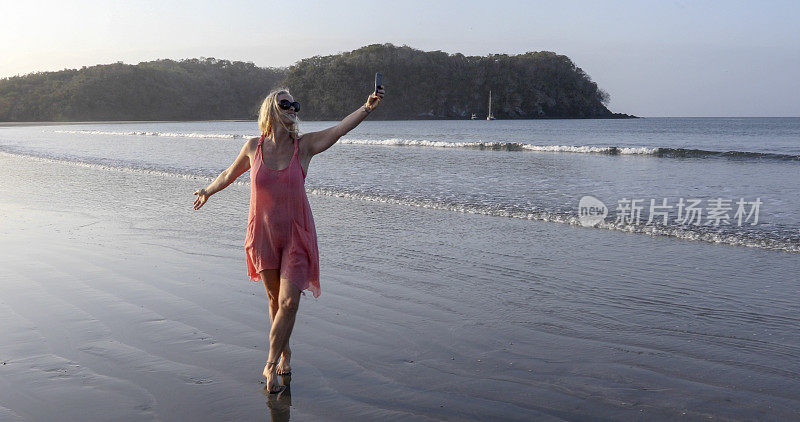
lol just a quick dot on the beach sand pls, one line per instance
(106, 314)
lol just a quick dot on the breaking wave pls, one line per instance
(757, 238)
(165, 134)
(585, 149)
(490, 146)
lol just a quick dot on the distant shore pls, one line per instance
(420, 85)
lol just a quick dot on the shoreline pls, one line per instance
(670, 232)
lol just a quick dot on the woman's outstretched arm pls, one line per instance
(317, 142)
(239, 166)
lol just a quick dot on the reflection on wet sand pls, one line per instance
(280, 403)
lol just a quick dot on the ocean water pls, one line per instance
(719, 180)
(469, 233)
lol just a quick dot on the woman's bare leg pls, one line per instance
(281, 329)
(272, 284)
(271, 279)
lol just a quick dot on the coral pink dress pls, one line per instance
(280, 228)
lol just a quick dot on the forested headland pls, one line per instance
(419, 84)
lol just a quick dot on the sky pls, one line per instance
(655, 58)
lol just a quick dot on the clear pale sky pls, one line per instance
(655, 58)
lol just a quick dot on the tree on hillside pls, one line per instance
(420, 85)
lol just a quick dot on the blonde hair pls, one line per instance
(270, 115)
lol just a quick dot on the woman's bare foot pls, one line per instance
(273, 385)
(284, 367)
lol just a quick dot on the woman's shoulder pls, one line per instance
(250, 146)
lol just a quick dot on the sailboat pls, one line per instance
(490, 116)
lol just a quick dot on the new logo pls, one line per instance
(591, 211)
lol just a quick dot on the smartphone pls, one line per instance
(378, 81)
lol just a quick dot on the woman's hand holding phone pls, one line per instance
(375, 98)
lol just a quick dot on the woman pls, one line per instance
(281, 242)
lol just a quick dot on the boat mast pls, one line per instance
(489, 116)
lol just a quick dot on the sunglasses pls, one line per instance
(286, 104)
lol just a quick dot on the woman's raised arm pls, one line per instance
(317, 142)
(239, 166)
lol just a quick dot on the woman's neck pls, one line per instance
(281, 136)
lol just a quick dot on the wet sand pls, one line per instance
(107, 317)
